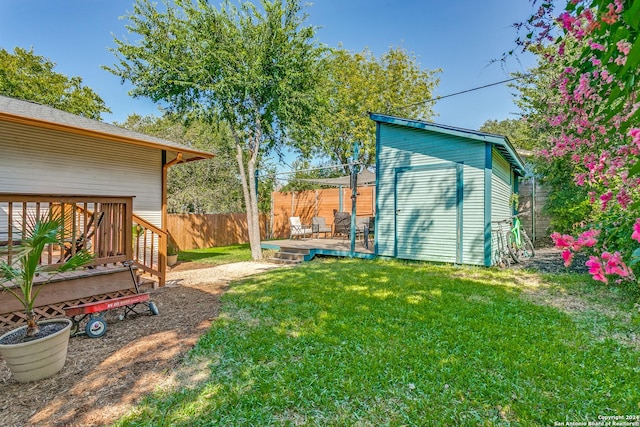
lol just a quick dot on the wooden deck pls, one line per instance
(337, 246)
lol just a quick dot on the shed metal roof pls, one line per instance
(365, 178)
(43, 116)
(500, 142)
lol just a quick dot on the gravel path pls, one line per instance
(220, 273)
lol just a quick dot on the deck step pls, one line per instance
(294, 250)
(147, 283)
(290, 255)
(281, 261)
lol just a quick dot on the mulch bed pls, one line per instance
(104, 377)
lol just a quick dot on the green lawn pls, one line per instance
(352, 342)
(217, 256)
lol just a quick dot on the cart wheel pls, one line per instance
(153, 308)
(96, 327)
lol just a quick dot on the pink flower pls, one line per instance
(608, 78)
(619, 6)
(614, 264)
(567, 20)
(611, 16)
(599, 277)
(635, 136)
(595, 269)
(624, 47)
(588, 238)
(596, 46)
(567, 256)
(605, 199)
(561, 49)
(556, 121)
(562, 241)
(623, 198)
(636, 230)
(620, 60)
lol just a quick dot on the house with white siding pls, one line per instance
(112, 181)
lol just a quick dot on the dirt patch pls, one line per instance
(105, 377)
(539, 291)
(549, 260)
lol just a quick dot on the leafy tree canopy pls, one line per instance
(359, 83)
(255, 68)
(518, 131)
(208, 186)
(25, 75)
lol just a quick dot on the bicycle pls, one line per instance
(501, 256)
(518, 242)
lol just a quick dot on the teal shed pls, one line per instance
(438, 190)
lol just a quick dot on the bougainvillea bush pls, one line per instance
(593, 118)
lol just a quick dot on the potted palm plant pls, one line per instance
(39, 349)
(172, 251)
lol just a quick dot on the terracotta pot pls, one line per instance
(40, 358)
(172, 259)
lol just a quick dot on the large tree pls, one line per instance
(359, 83)
(25, 75)
(210, 186)
(253, 67)
(568, 204)
(518, 130)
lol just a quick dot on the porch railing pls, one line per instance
(100, 224)
(150, 249)
(104, 225)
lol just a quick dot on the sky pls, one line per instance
(461, 37)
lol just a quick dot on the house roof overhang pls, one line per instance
(42, 116)
(499, 142)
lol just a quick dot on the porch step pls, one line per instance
(290, 256)
(147, 283)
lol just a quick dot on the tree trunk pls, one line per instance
(253, 215)
(247, 173)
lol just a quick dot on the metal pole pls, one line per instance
(354, 194)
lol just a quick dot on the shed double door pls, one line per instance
(428, 213)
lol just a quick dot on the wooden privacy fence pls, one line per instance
(532, 198)
(195, 231)
(192, 231)
(310, 203)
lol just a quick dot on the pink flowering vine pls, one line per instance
(594, 121)
(600, 267)
(636, 231)
(596, 270)
(614, 264)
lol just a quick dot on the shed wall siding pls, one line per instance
(35, 160)
(501, 190)
(401, 147)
